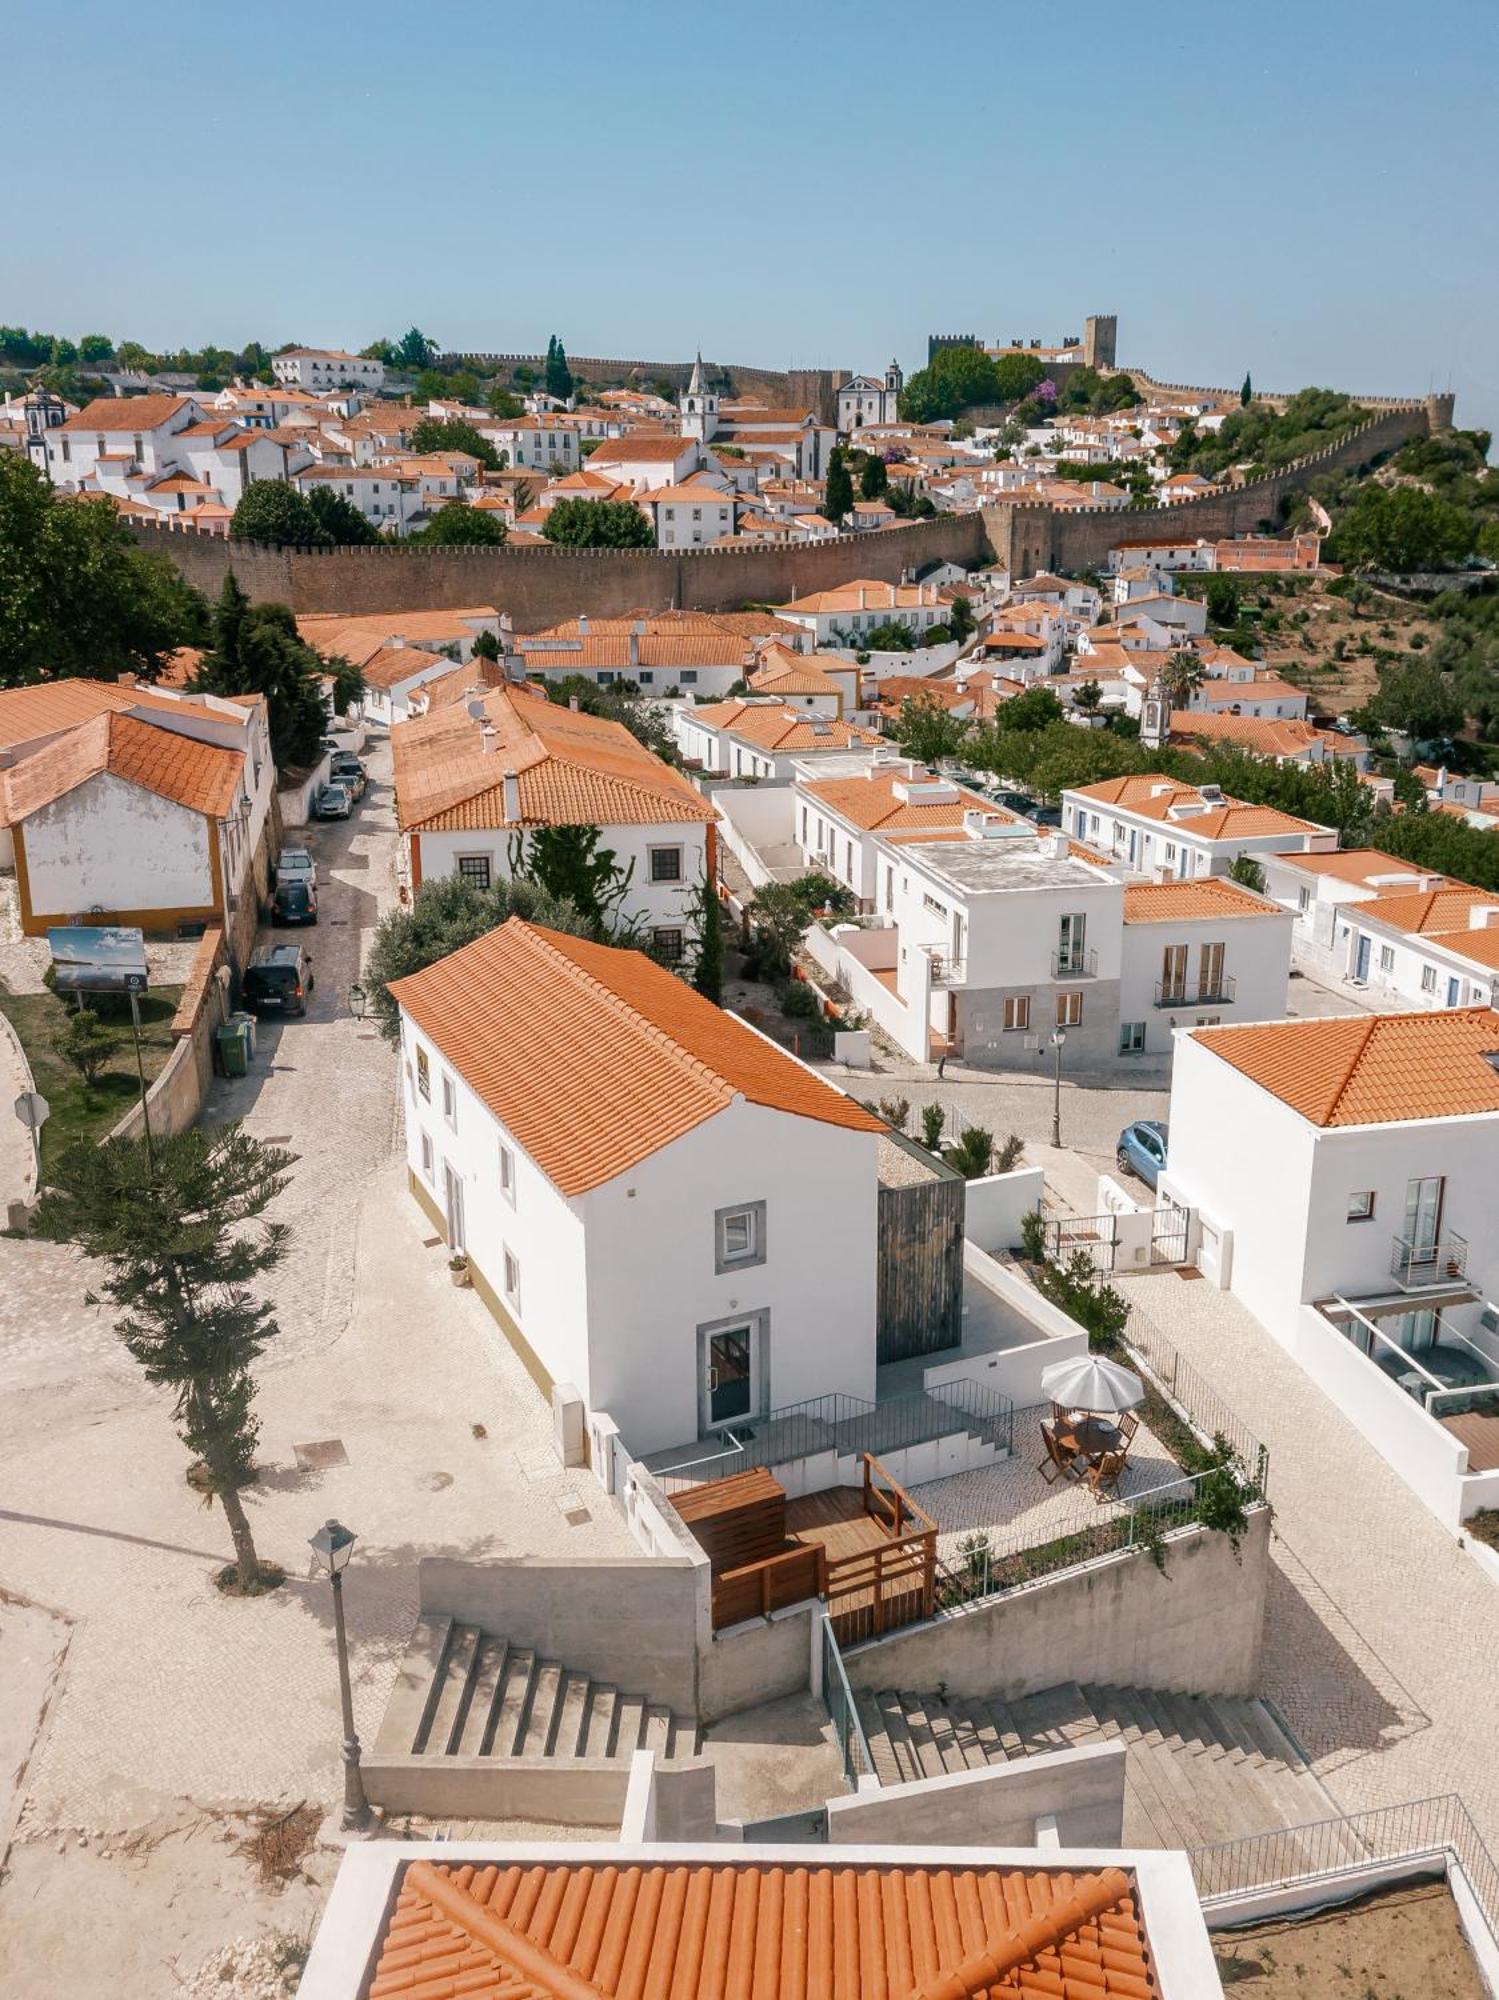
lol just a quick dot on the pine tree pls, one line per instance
(874, 479)
(169, 1220)
(707, 972)
(1246, 394)
(840, 489)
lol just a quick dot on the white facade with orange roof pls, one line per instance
(320, 369)
(764, 739)
(859, 607)
(1157, 826)
(1340, 1175)
(661, 1209)
(841, 817)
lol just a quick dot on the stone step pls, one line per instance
(598, 1726)
(1056, 1718)
(546, 1690)
(658, 1729)
(884, 1723)
(478, 1723)
(629, 1730)
(571, 1718)
(1006, 1728)
(457, 1679)
(515, 1701)
(414, 1696)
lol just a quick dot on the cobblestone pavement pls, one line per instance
(1381, 1634)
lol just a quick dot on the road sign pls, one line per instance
(33, 1110)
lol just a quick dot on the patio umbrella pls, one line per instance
(1088, 1382)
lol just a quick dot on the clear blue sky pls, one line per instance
(1308, 192)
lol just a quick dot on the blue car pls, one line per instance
(1142, 1149)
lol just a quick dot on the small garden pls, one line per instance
(83, 1059)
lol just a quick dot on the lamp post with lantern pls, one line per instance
(332, 1546)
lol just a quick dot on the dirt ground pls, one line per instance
(1338, 686)
(1403, 1943)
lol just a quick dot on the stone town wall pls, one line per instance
(541, 586)
(1031, 538)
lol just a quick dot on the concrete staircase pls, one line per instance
(467, 1693)
(1199, 1768)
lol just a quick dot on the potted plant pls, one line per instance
(458, 1269)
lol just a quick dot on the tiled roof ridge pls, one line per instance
(1091, 1896)
(554, 943)
(519, 1955)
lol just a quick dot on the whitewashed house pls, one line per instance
(1155, 825)
(321, 369)
(476, 778)
(1340, 1175)
(663, 1210)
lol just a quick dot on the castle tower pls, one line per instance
(1155, 717)
(699, 405)
(1100, 336)
(895, 381)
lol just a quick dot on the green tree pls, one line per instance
(972, 1154)
(874, 480)
(339, 520)
(571, 864)
(598, 524)
(504, 403)
(1246, 394)
(558, 376)
(960, 621)
(933, 1119)
(1089, 698)
(85, 1042)
(889, 636)
(1410, 793)
(178, 1226)
(1416, 696)
(1037, 708)
(257, 650)
(453, 434)
(647, 721)
(413, 351)
(1401, 528)
(839, 493)
(348, 683)
(928, 731)
(904, 501)
(486, 646)
(96, 347)
(456, 525)
(707, 967)
(780, 913)
(446, 913)
(271, 511)
(76, 595)
(1247, 872)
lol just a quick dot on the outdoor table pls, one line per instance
(1089, 1437)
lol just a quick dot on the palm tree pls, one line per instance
(1181, 676)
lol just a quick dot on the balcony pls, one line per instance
(1074, 963)
(1201, 993)
(947, 971)
(1418, 1266)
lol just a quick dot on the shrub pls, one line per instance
(1033, 1236)
(933, 1118)
(86, 1043)
(895, 1111)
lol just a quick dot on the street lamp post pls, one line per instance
(1058, 1043)
(332, 1545)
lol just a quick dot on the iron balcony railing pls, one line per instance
(843, 1711)
(1416, 1265)
(1074, 962)
(847, 1426)
(947, 971)
(1195, 993)
(1439, 1827)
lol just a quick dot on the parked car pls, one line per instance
(1015, 802)
(1044, 815)
(332, 802)
(295, 864)
(344, 768)
(1142, 1149)
(295, 901)
(278, 979)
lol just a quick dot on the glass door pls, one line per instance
(1070, 944)
(1423, 1219)
(1210, 972)
(1174, 973)
(729, 1388)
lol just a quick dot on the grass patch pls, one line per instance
(79, 1111)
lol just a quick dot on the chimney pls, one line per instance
(489, 739)
(861, 597)
(634, 647)
(398, 638)
(582, 624)
(572, 702)
(512, 796)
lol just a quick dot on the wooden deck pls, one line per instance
(835, 1520)
(1481, 1435)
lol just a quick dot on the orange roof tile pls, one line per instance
(49, 706)
(1185, 902)
(740, 1930)
(572, 769)
(1370, 1069)
(108, 414)
(1356, 864)
(873, 803)
(641, 448)
(769, 726)
(1151, 796)
(595, 1058)
(200, 776)
(1430, 911)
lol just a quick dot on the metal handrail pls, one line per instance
(853, 1744)
(1206, 993)
(1337, 1846)
(1414, 1263)
(1074, 964)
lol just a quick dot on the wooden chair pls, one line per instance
(1058, 1459)
(1128, 1424)
(1105, 1475)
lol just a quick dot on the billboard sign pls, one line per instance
(106, 958)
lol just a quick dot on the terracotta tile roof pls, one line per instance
(877, 596)
(769, 726)
(612, 650)
(874, 803)
(659, 624)
(1185, 902)
(107, 414)
(358, 638)
(820, 1930)
(1370, 1069)
(391, 665)
(897, 688)
(1151, 796)
(1429, 911)
(477, 677)
(642, 449)
(572, 769)
(1358, 864)
(49, 706)
(783, 673)
(1268, 736)
(595, 1058)
(200, 776)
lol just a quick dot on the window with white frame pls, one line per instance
(1017, 1012)
(450, 1100)
(429, 1163)
(1428, 979)
(666, 864)
(511, 1278)
(1131, 1038)
(1069, 1009)
(423, 1074)
(739, 1235)
(1361, 1205)
(1387, 958)
(474, 868)
(507, 1173)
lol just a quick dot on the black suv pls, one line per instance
(278, 980)
(295, 902)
